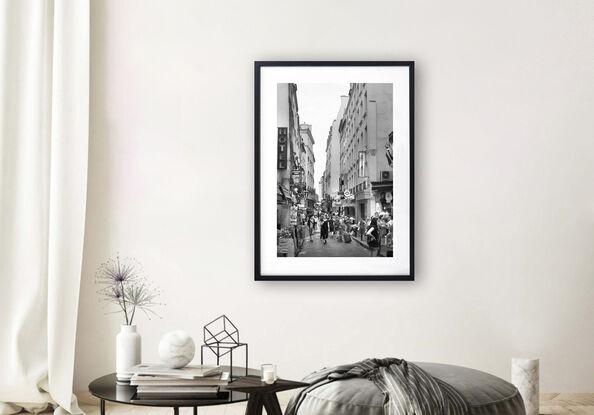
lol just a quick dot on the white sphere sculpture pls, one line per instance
(176, 349)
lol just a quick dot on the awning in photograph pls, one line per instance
(383, 186)
(282, 194)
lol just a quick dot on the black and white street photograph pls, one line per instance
(335, 170)
(334, 173)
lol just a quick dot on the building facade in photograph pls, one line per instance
(288, 150)
(332, 170)
(322, 187)
(308, 161)
(365, 130)
(296, 190)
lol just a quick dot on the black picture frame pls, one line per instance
(258, 65)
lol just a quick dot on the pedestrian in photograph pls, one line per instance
(346, 236)
(301, 235)
(281, 246)
(382, 231)
(311, 226)
(299, 232)
(337, 227)
(362, 227)
(389, 237)
(353, 228)
(331, 225)
(373, 237)
(324, 230)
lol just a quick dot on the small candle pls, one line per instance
(269, 377)
(268, 373)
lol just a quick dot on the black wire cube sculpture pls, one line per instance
(221, 337)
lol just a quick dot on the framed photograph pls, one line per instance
(334, 188)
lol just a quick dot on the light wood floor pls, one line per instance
(567, 403)
(550, 403)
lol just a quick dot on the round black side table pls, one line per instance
(106, 388)
(247, 388)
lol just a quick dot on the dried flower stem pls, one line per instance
(124, 285)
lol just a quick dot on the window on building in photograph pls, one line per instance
(362, 163)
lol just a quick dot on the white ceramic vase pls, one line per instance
(128, 351)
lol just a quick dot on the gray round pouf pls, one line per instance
(485, 394)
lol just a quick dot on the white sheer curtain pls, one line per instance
(44, 98)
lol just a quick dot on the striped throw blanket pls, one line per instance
(408, 389)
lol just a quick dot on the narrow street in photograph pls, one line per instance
(335, 170)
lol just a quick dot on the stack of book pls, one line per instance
(159, 383)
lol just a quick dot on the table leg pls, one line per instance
(175, 410)
(271, 404)
(102, 407)
(195, 410)
(255, 404)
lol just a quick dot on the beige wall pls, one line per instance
(504, 173)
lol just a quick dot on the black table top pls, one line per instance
(253, 384)
(107, 388)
